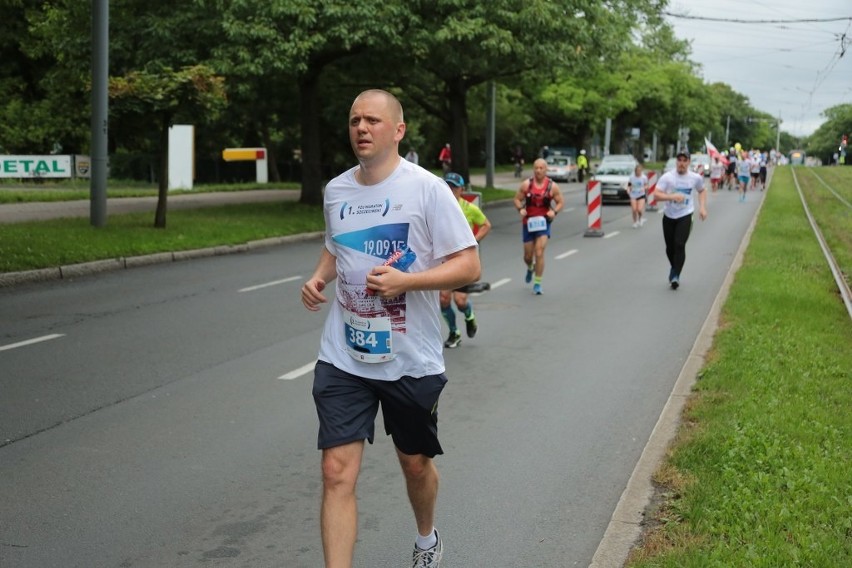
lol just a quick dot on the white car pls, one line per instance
(562, 168)
(700, 164)
(613, 173)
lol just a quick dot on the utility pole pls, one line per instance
(728, 132)
(100, 120)
(490, 134)
(778, 134)
(777, 122)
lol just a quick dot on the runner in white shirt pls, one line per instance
(382, 345)
(716, 170)
(637, 186)
(743, 173)
(679, 189)
(755, 170)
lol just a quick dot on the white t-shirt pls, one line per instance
(672, 182)
(638, 185)
(364, 225)
(716, 169)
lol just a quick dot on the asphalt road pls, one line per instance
(164, 417)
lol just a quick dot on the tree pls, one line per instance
(826, 140)
(296, 41)
(38, 110)
(192, 91)
(464, 43)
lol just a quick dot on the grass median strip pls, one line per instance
(45, 244)
(42, 244)
(759, 474)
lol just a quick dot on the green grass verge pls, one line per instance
(834, 217)
(759, 475)
(43, 244)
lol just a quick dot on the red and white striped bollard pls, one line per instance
(594, 202)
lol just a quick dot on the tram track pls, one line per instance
(839, 277)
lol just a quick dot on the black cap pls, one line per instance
(682, 153)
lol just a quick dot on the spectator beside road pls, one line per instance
(538, 201)
(677, 188)
(412, 156)
(582, 166)
(381, 344)
(518, 159)
(446, 158)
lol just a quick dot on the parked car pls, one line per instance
(613, 176)
(562, 168)
(700, 164)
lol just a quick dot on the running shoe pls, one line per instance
(675, 282)
(471, 326)
(537, 289)
(636, 225)
(528, 277)
(430, 558)
(453, 340)
(642, 221)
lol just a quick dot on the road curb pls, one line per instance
(11, 279)
(625, 526)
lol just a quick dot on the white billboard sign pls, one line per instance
(181, 156)
(35, 167)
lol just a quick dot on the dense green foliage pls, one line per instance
(282, 73)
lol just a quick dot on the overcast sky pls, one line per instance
(794, 70)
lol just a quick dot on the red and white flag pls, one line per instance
(711, 149)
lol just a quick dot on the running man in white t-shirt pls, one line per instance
(679, 189)
(394, 237)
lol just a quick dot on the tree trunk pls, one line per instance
(311, 147)
(163, 194)
(457, 98)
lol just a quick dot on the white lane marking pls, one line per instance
(31, 341)
(273, 283)
(612, 234)
(566, 254)
(568, 209)
(296, 373)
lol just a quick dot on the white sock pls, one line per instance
(426, 542)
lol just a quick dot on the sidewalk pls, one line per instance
(19, 212)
